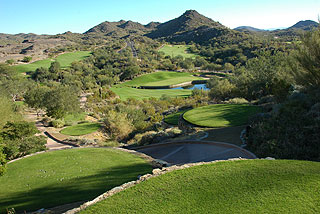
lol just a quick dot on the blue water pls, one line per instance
(196, 86)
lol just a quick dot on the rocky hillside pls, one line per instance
(122, 28)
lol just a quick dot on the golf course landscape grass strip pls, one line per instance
(176, 50)
(81, 129)
(161, 78)
(61, 177)
(221, 115)
(127, 92)
(65, 60)
(245, 186)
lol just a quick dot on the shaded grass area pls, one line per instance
(174, 118)
(227, 134)
(81, 129)
(126, 92)
(161, 78)
(65, 60)
(221, 115)
(251, 186)
(176, 50)
(60, 177)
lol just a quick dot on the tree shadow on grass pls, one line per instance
(73, 190)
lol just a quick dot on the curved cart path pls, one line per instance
(51, 143)
(194, 151)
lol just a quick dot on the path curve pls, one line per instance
(51, 144)
(193, 151)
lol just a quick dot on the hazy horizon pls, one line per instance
(79, 16)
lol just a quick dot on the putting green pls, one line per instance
(161, 78)
(81, 129)
(221, 115)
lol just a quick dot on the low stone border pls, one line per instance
(155, 173)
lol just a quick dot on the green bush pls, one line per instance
(2, 161)
(58, 123)
(290, 132)
(10, 61)
(27, 59)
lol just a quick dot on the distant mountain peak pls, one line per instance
(191, 12)
(305, 25)
(248, 28)
(190, 26)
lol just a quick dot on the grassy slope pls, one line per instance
(174, 118)
(61, 177)
(161, 78)
(65, 60)
(81, 129)
(176, 50)
(222, 115)
(252, 186)
(140, 94)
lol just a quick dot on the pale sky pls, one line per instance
(59, 16)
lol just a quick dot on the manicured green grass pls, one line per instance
(127, 92)
(176, 50)
(174, 118)
(33, 66)
(221, 115)
(161, 78)
(250, 186)
(74, 118)
(60, 177)
(81, 129)
(65, 60)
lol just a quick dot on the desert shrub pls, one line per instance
(110, 143)
(59, 123)
(237, 100)
(27, 59)
(143, 138)
(175, 131)
(10, 61)
(118, 125)
(152, 137)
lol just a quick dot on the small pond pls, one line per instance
(196, 86)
